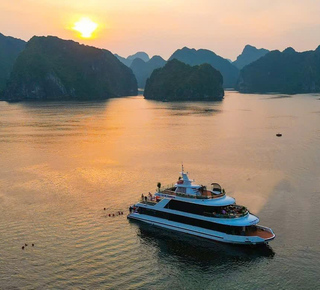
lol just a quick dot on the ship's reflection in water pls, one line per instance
(194, 251)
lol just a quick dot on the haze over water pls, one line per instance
(62, 163)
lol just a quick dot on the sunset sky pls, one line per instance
(162, 26)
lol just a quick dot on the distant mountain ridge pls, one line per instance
(128, 61)
(177, 81)
(249, 55)
(196, 57)
(123, 60)
(140, 54)
(50, 68)
(143, 70)
(288, 72)
(10, 48)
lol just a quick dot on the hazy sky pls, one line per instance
(162, 26)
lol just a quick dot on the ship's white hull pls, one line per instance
(200, 232)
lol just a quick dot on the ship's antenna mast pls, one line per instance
(182, 167)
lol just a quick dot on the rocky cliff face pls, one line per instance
(195, 57)
(249, 55)
(9, 50)
(177, 81)
(286, 72)
(143, 70)
(54, 69)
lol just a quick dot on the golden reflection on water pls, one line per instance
(62, 163)
(95, 145)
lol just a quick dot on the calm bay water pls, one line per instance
(63, 163)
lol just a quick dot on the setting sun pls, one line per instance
(85, 26)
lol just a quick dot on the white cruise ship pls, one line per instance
(196, 210)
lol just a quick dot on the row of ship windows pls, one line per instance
(231, 230)
(191, 207)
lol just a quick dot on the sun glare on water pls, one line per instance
(85, 26)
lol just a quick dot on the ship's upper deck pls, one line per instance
(185, 190)
(222, 200)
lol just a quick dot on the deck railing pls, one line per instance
(148, 202)
(169, 190)
(162, 188)
(227, 215)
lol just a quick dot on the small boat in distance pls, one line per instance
(195, 210)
